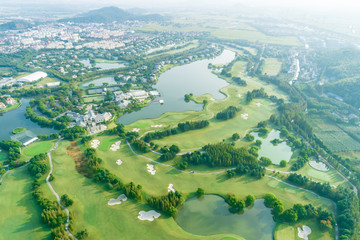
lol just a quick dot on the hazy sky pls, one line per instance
(334, 4)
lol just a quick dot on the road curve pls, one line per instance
(56, 194)
(9, 171)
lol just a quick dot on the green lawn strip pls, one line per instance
(272, 66)
(38, 147)
(20, 215)
(90, 209)
(330, 176)
(290, 231)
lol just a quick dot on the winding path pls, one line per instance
(56, 194)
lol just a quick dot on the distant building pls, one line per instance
(2, 105)
(139, 94)
(7, 82)
(26, 138)
(53, 84)
(10, 101)
(36, 76)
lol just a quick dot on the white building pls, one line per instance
(2, 105)
(53, 84)
(36, 76)
(10, 101)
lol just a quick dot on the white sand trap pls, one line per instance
(115, 146)
(171, 188)
(304, 232)
(95, 143)
(150, 215)
(258, 104)
(136, 130)
(319, 166)
(245, 116)
(239, 95)
(151, 169)
(119, 200)
(156, 126)
(119, 162)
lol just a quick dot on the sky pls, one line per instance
(342, 7)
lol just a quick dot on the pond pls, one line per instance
(103, 65)
(209, 215)
(276, 153)
(193, 78)
(16, 118)
(99, 82)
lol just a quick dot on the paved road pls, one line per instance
(56, 194)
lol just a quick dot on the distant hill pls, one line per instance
(15, 25)
(111, 14)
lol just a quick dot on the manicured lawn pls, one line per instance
(3, 156)
(90, 209)
(106, 142)
(20, 215)
(37, 148)
(93, 98)
(272, 66)
(330, 176)
(134, 169)
(290, 231)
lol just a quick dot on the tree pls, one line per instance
(283, 163)
(290, 215)
(265, 161)
(66, 201)
(82, 234)
(249, 200)
(200, 192)
(235, 136)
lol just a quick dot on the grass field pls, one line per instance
(38, 147)
(272, 66)
(290, 231)
(333, 136)
(3, 156)
(20, 216)
(330, 176)
(90, 209)
(223, 32)
(91, 98)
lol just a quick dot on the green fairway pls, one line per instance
(20, 215)
(37, 148)
(134, 169)
(105, 143)
(3, 156)
(271, 67)
(285, 231)
(90, 209)
(330, 176)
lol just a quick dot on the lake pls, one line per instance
(193, 78)
(16, 118)
(99, 82)
(209, 215)
(103, 65)
(276, 153)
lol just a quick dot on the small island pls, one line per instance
(18, 130)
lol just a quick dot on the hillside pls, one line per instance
(111, 14)
(15, 25)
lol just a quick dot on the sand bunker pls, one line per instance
(258, 104)
(115, 146)
(156, 126)
(119, 200)
(245, 116)
(119, 162)
(319, 166)
(136, 130)
(171, 188)
(150, 215)
(95, 143)
(239, 95)
(151, 169)
(304, 232)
